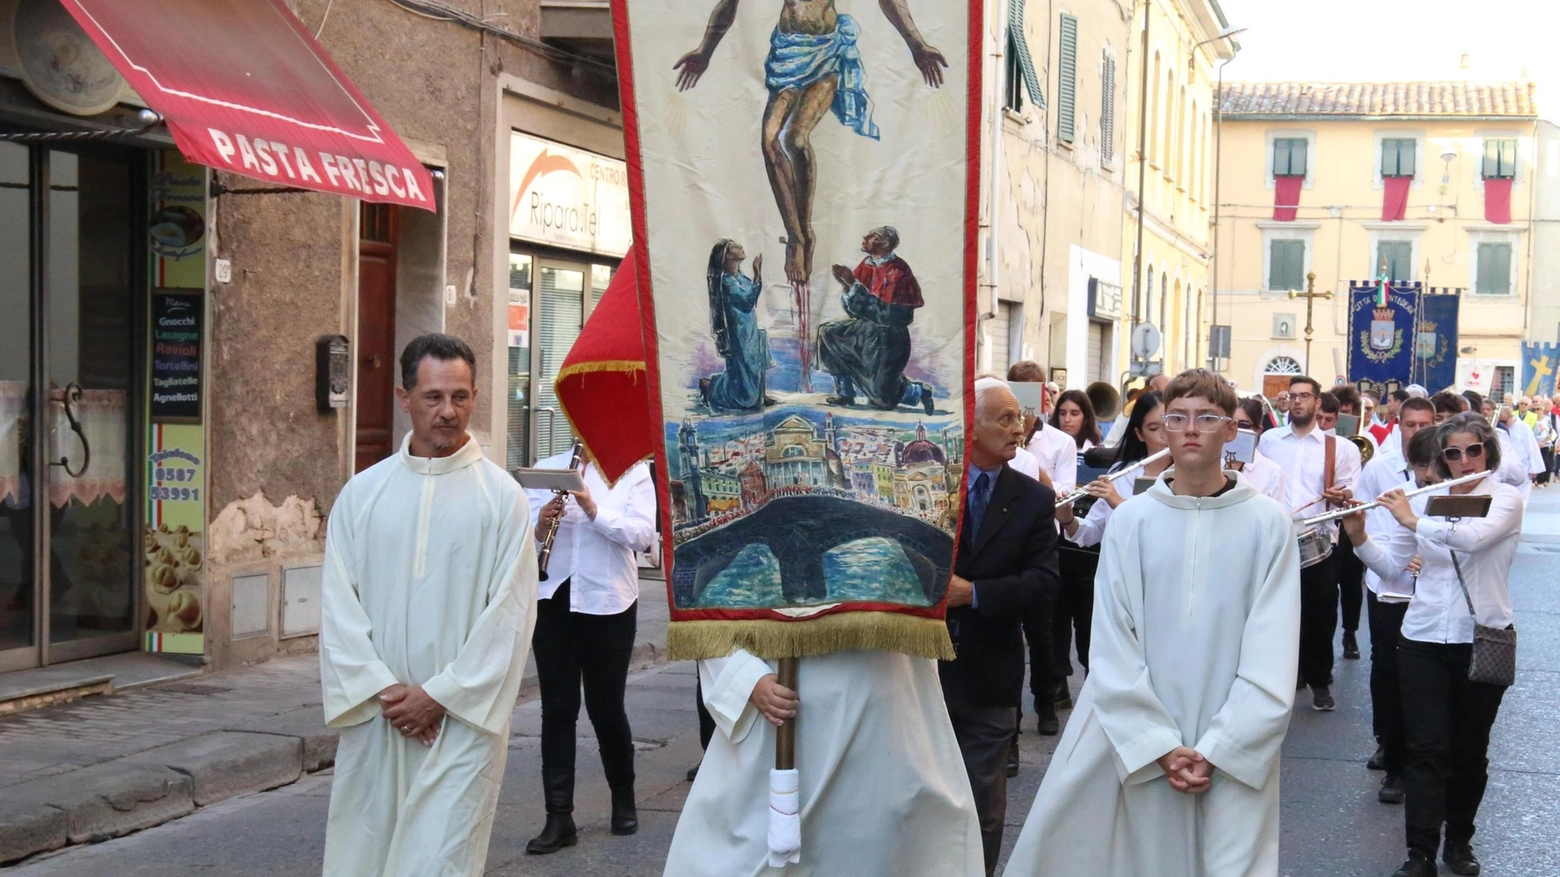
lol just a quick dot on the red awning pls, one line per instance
(245, 88)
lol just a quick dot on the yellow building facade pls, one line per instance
(1173, 59)
(1458, 145)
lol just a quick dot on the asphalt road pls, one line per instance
(1332, 824)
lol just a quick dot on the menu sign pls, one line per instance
(177, 337)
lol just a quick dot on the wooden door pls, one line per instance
(1272, 385)
(376, 352)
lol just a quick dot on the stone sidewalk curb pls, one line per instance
(159, 785)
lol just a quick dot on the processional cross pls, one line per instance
(1310, 295)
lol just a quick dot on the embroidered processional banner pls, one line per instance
(803, 181)
(1539, 361)
(1435, 345)
(1381, 333)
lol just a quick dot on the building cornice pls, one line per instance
(1340, 117)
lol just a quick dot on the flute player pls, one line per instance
(586, 619)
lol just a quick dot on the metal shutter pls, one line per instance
(1067, 84)
(1095, 352)
(1001, 326)
(563, 312)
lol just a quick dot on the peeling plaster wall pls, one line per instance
(1057, 197)
(254, 536)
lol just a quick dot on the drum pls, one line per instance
(1316, 542)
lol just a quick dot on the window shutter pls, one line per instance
(1399, 257)
(1108, 110)
(1280, 158)
(1286, 265)
(1500, 269)
(1407, 150)
(1508, 158)
(1067, 87)
(1491, 159)
(1297, 167)
(1389, 158)
(1020, 46)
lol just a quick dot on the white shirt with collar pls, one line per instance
(1058, 456)
(1303, 461)
(1485, 548)
(596, 556)
(1025, 463)
(1387, 471)
(1266, 476)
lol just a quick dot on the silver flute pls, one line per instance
(1363, 507)
(1082, 492)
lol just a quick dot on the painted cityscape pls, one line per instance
(814, 509)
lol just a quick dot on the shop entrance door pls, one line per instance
(377, 240)
(72, 284)
(567, 293)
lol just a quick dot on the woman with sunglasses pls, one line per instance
(1447, 717)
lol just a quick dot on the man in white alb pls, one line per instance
(1170, 764)
(1524, 446)
(1321, 470)
(428, 601)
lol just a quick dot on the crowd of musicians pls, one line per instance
(1177, 574)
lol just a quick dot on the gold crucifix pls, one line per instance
(1310, 295)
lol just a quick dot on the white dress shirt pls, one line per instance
(1266, 476)
(1025, 463)
(1485, 549)
(596, 556)
(1303, 462)
(1058, 456)
(1387, 471)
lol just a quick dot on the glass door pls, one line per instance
(67, 412)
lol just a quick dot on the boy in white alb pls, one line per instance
(1170, 763)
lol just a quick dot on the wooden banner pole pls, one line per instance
(785, 735)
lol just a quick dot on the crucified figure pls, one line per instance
(813, 67)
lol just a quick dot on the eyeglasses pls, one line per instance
(1205, 422)
(1454, 454)
(1301, 397)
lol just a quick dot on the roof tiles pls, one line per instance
(1414, 99)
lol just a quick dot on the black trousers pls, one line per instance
(1318, 622)
(1386, 692)
(1074, 610)
(1549, 464)
(572, 649)
(984, 734)
(706, 721)
(1351, 582)
(1043, 672)
(1448, 720)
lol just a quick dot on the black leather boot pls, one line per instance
(625, 817)
(559, 832)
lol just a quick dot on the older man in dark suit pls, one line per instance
(1006, 565)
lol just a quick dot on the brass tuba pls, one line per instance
(1366, 446)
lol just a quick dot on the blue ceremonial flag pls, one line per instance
(1538, 368)
(1381, 333)
(1435, 347)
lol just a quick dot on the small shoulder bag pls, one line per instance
(1494, 659)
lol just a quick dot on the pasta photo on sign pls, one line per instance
(802, 183)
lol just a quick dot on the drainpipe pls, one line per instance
(1143, 97)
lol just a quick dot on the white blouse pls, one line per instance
(1485, 547)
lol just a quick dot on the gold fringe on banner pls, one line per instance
(840, 632)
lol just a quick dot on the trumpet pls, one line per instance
(552, 531)
(1363, 507)
(1082, 492)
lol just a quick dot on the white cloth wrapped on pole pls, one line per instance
(785, 818)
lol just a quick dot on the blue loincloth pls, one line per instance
(799, 60)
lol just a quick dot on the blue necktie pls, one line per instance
(980, 494)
